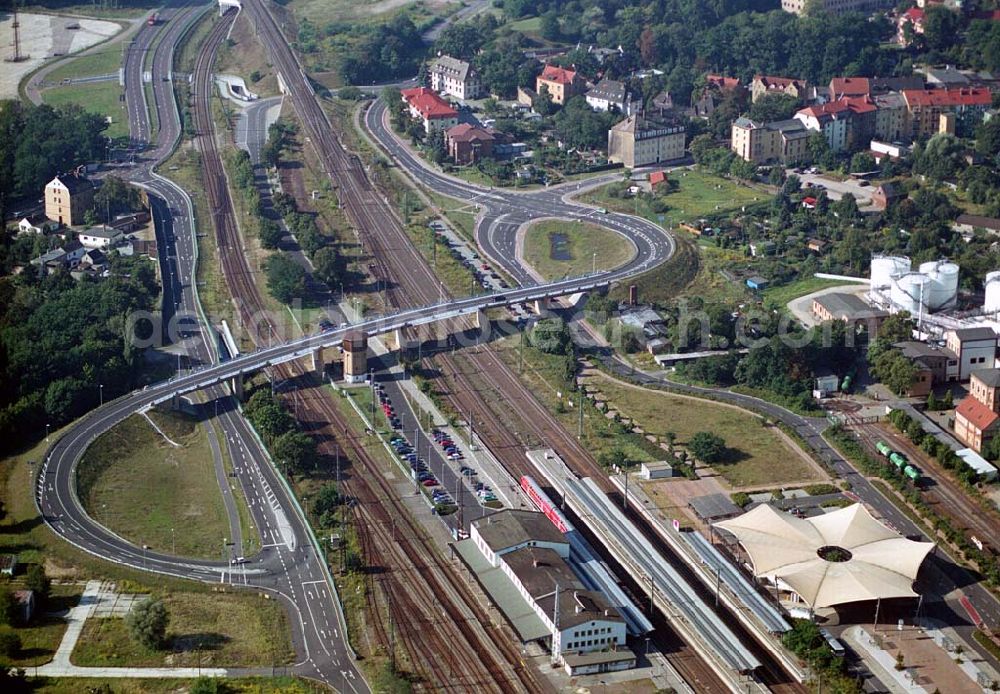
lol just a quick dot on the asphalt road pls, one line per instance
(505, 211)
(288, 566)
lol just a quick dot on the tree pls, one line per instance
(38, 581)
(114, 197)
(295, 449)
(10, 642)
(326, 503)
(862, 162)
(8, 606)
(286, 280)
(147, 623)
(328, 266)
(549, 26)
(350, 93)
(772, 107)
(270, 234)
(209, 685)
(941, 26)
(707, 446)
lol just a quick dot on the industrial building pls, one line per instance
(933, 287)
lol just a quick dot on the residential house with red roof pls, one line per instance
(468, 144)
(976, 417)
(909, 24)
(927, 106)
(433, 111)
(847, 123)
(561, 83)
(849, 86)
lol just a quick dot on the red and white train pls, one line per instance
(545, 504)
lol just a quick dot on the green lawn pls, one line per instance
(575, 245)
(42, 637)
(102, 98)
(104, 61)
(152, 493)
(699, 194)
(225, 630)
(759, 455)
(780, 296)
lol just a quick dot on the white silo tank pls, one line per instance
(992, 303)
(885, 267)
(909, 293)
(947, 281)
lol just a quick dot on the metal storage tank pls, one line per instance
(909, 293)
(943, 289)
(947, 281)
(992, 303)
(885, 267)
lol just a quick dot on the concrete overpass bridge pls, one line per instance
(314, 345)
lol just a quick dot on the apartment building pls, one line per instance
(847, 123)
(425, 105)
(455, 77)
(640, 141)
(768, 84)
(67, 198)
(925, 108)
(783, 141)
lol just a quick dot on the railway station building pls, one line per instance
(521, 559)
(841, 557)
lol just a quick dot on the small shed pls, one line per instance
(713, 507)
(8, 564)
(982, 467)
(826, 384)
(656, 471)
(757, 283)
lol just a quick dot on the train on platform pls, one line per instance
(545, 505)
(899, 460)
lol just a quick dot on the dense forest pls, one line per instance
(37, 142)
(61, 338)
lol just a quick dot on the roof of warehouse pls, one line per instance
(713, 506)
(540, 570)
(976, 462)
(879, 562)
(512, 527)
(502, 591)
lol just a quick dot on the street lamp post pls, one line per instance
(46, 431)
(100, 387)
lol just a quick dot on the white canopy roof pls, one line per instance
(881, 565)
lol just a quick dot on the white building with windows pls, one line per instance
(585, 630)
(455, 77)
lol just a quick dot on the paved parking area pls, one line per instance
(109, 603)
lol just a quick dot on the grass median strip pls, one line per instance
(103, 98)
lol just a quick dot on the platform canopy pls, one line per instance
(839, 557)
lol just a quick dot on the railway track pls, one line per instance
(437, 621)
(944, 495)
(381, 232)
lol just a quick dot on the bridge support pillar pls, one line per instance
(482, 320)
(238, 387)
(401, 342)
(317, 361)
(175, 402)
(542, 307)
